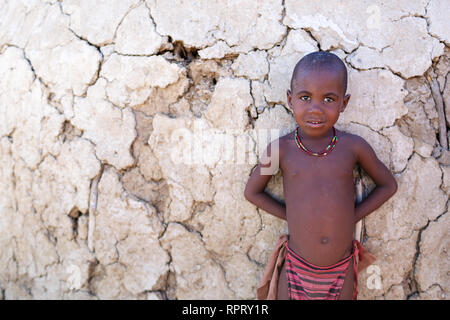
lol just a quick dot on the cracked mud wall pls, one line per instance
(99, 201)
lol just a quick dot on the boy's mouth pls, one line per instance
(314, 121)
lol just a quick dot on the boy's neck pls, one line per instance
(327, 135)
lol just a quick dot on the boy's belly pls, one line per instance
(321, 228)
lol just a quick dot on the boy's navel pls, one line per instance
(324, 240)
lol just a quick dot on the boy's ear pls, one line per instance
(345, 102)
(289, 97)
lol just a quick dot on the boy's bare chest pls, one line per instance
(298, 164)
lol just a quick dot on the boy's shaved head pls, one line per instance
(321, 60)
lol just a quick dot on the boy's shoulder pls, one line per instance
(286, 139)
(355, 142)
(351, 137)
(278, 145)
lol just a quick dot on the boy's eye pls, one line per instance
(304, 98)
(328, 99)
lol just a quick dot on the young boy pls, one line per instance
(317, 163)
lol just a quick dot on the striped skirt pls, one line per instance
(310, 282)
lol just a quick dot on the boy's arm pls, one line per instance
(254, 190)
(385, 182)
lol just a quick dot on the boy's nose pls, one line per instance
(315, 108)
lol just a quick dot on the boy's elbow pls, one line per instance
(394, 187)
(248, 194)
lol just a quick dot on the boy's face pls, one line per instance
(317, 98)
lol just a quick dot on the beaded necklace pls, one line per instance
(322, 153)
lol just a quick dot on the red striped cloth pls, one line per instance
(310, 282)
